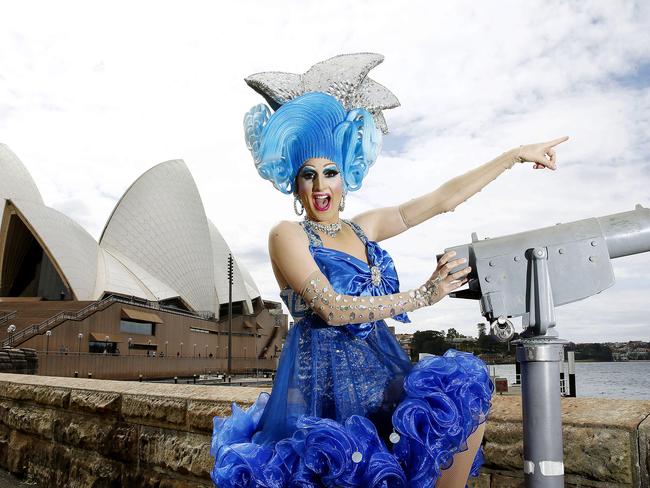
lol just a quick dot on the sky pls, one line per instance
(94, 94)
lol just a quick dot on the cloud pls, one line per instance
(92, 100)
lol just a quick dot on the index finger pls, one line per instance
(555, 142)
(446, 256)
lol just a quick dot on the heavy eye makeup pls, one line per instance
(331, 171)
(308, 173)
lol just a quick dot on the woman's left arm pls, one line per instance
(387, 222)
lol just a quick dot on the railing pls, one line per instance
(5, 318)
(35, 329)
(130, 367)
(564, 384)
(132, 300)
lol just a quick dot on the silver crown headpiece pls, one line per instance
(345, 77)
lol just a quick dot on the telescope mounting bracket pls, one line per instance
(540, 305)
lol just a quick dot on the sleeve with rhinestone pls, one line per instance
(336, 309)
(455, 191)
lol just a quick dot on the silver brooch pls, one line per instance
(345, 77)
(375, 275)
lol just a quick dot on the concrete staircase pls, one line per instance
(26, 313)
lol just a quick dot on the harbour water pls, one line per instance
(626, 379)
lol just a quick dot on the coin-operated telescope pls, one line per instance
(529, 274)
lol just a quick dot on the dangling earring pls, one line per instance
(296, 200)
(342, 203)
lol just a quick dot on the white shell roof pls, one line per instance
(113, 276)
(251, 287)
(120, 275)
(157, 244)
(160, 224)
(72, 248)
(15, 180)
(220, 251)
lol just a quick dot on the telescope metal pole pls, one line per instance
(542, 413)
(540, 356)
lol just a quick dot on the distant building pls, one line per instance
(461, 340)
(491, 358)
(155, 285)
(405, 340)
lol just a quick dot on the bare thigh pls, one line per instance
(458, 472)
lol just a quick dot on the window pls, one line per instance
(133, 327)
(202, 331)
(144, 347)
(237, 309)
(99, 347)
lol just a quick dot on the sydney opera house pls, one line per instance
(150, 298)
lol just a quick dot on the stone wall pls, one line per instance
(67, 432)
(606, 443)
(79, 432)
(23, 361)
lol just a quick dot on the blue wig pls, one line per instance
(314, 125)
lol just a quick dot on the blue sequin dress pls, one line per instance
(348, 409)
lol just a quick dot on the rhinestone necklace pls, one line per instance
(329, 229)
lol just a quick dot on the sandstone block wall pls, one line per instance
(67, 432)
(23, 361)
(606, 443)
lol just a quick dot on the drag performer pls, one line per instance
(348, 408)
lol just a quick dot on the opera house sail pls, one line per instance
(154, 286)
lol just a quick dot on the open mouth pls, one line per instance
(322, 201)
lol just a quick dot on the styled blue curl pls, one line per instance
(314, 125)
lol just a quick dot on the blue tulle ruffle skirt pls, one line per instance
(443, 401)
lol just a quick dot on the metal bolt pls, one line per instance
(594, 243)
(561, 250)
(492, 264)
(539, 252)
(592, 259)
(488, 278)
(517, 258)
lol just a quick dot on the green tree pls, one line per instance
(428, 341)
(453, 334)
(595, 352)
(484, 341)
(481, 329)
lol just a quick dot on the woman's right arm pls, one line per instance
(383, 223)
(290, 254)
